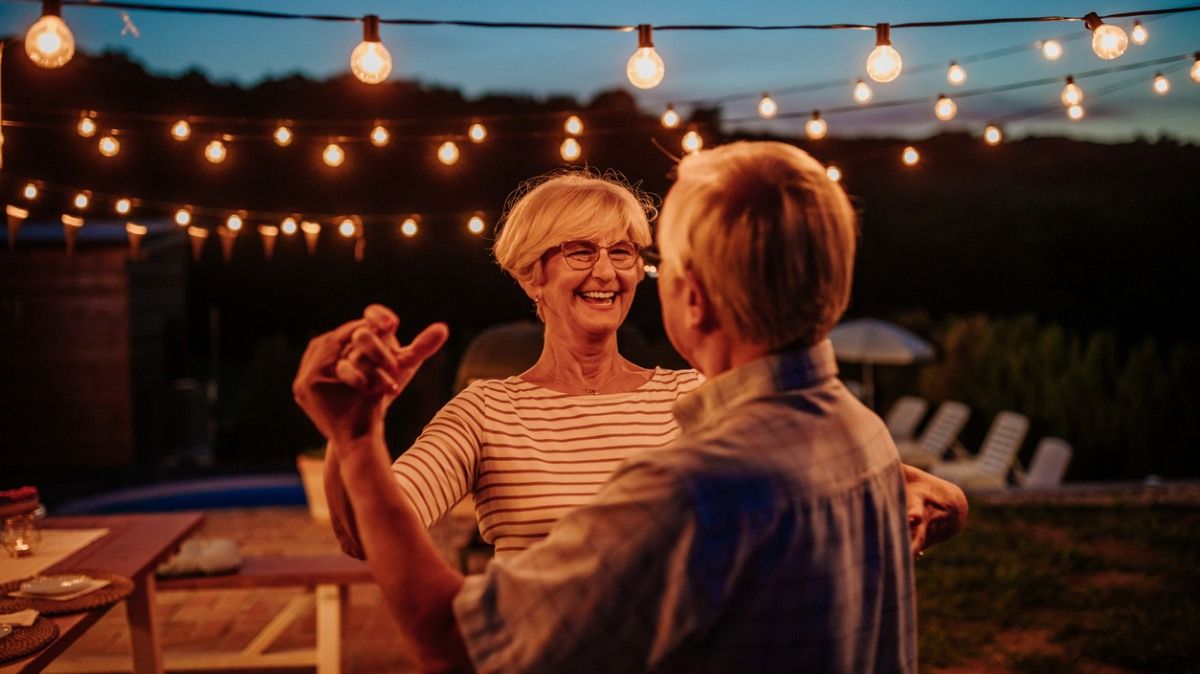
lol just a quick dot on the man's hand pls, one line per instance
(937, 509)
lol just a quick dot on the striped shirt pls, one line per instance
(529, 454)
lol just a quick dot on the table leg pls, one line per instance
(143, 627)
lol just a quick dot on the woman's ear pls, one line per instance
(533, 282)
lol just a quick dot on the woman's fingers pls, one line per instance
(423, 345)
(371, 348)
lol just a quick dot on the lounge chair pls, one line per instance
(904, 416)
(989, 468)
(1048, 466)
(937, 437)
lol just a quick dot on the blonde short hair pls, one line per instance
(770, 237)
(567, 205)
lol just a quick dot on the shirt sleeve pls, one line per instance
(440, 467)
(606, 591)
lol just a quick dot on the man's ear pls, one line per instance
(700, 312)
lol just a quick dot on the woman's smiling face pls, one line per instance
(590, 302)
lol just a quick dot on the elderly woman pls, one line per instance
(532, 447)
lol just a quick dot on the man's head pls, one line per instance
(757, 243)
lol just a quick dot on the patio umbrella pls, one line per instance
(874, 342)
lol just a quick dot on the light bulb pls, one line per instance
(833, 173)
(573, 125)
(1161, 84)
(448, 153)
(333, 155)
(884, 62)
(181, 130)
(570, 149)
(183, 217)
(283, 135)
(477, 133)
(992, 135)
(347, 228)
(945, 109)
(1195, 71)
(1071, 93)
(215, 152)
(87, 126)
(234, 223)
(409, 227)
(862, 92)
(49, 43)
(30, 191)
(380, 136)
(1052, 50)
(288, 226)
(910, 156)
(81, 200)
(670, 118)
(956, 75)
(475, 225)
(1108, 41)
(767, 107)
(109, 146)
(370, 61)
(123, 206)
(692, 142)
(1075, 112)
(816, 128)
(645, 68)
(1139, 34)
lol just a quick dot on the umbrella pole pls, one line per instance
(869, 384)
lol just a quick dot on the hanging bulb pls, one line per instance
(833, 173)
(380, 136)
(109, 146)
(476, 225)
(347, 228)
(945, 109)
(234, 222)
(645, 68)
(1161, 84)
(692, 142)
(123, 206)
(477, 133)
(30, 191)
(1052, 50)
(215, 152)
(1195, 71)
(87, 125)
(81, 200)
(816, 128)
(289, 226)
(448, 153)
(1071, 94)
(862, 92)
(956, 75)
(1108, 40)
(283, 135)
(1075, 112)
(183, 217)
(992, 135)
(767, 107)
(49, 43)
(370, 61)
(884, 62)
(409, 227)
(333, 155)
(181, 130)
(910, 156)
(573, 125)
(1139, 34)
(670, 118)
(570, 149)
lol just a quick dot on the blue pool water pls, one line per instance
(282, 489)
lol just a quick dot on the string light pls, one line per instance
(1075, 112)
(884, 62)
(109, 146)
(992, 135)
(862, 92)
(956, 74)
(670, 118)
(767, 107)
(448, 153)
(215, 151)
(30, 191)
(910, 156)
(183, 216)
(87, 125)
(409, 227)
(1139, 34)
(122, 206)
(288, 226)
(347, 228)
(476, 225)
(312, 233)
(645, 68)
(181, 130)
(82, 200)
(333, 155)
(370, 61)
(1108, 41)
(283, 135)
(570, 149)
(49, 43)
(380, 136)
(1052, 50)
(573, 125)
(1161, 84)
(945, 109)
(1071, 93)
(477, 133)
(833, 173)
(816, 128)
(692, 142)
(1195, 71)
(234, 222)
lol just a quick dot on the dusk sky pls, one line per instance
(699, 64)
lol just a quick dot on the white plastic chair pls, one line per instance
(941, 432)
(990, 466)
(1049, 464)
(904, 416)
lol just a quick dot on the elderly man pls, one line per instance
(771, 536)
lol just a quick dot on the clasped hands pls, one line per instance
(349, 375)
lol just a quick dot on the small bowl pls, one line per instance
(55, 585)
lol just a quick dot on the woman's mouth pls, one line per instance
(598, 297)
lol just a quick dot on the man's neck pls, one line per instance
(720, 352)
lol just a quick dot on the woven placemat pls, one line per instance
(27, 640)
(117, 589)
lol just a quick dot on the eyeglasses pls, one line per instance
(584, 254)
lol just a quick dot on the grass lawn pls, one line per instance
(1064, 589)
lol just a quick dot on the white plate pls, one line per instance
(55, 585)
(5, 630)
